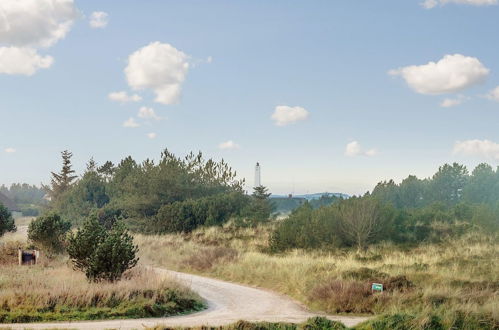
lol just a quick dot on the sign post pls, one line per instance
(377, 287)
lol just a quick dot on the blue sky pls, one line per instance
(344, 122)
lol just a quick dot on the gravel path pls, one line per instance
(227, 303)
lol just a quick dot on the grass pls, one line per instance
(448, 283)
(316, 323)
(53, 291)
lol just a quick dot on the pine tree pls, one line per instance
(62, 181)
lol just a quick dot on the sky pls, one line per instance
(326, 95)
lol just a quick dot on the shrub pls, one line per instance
(6, 220)
(344, 297)
(48, 232)
(100, 254)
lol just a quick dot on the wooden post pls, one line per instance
(37, 255)
(20, 256)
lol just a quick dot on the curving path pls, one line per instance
(227, 303)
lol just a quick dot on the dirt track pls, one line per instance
(227, 303)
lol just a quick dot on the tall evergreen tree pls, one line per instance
(63, 180)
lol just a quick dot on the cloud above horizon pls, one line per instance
(354, 149)
(494, 94)
(10, 150)
(152, 135)
(228, 145)
(477, 148)
(284, 115)
(22, 61)
(148, 113)
(160, 67)
(131, 123)
(452, 102)
(98, 20)
(123, 97)
(429, 4)
(450, 74)
(26, 26)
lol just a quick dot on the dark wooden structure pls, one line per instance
(29, 257)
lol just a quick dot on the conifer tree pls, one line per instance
(62, 181)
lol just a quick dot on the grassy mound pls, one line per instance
(54, 292)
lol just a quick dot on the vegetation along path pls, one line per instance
(227, 303)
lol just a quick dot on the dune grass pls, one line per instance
(53, 291)
(449, 283)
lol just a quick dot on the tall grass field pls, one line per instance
(450, 285)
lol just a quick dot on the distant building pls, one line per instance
(9, 204)
(258, 181)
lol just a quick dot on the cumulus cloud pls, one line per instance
(35, 23)
(429, 4)
(480, 148)
(284, 115)
(450, 74)
(123, 97)
(148, 113)
(25, 26)
(152, 135)
(228, 145)
(130, 123)
(160, 67)
(23, 61)
(494, 94)
(98, 20)
(355, 149)
(452, 102)
(10, 150)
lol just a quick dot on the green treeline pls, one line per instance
(171, 195)
(450, 203)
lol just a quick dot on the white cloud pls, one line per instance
(25, 26)
(228, 145)
(160, 67)
(480, 148)
(494, 94)
(24, 61)
(10, 150)
(429, 4)
(98, 20)
(130, 123)
(148, 113)
(355, 149)
(152, 135)
(284, 115)
(452, 102)
(451, 74)
(35, 23)
(123, 97)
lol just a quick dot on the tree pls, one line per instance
(259, 209)
(102, 255)
(48, 232)
(6, 220)
(63, 180)
(448, 183)
(361, 219)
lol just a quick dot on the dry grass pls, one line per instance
(458, 277)
(52, 290)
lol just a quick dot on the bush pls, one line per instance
(48, 232)
(101, 254)
(6, 220)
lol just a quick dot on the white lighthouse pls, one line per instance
(258, 181)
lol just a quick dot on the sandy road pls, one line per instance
(227, 303)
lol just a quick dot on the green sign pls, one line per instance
(377, 287)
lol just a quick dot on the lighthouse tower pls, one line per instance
(258, 181)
